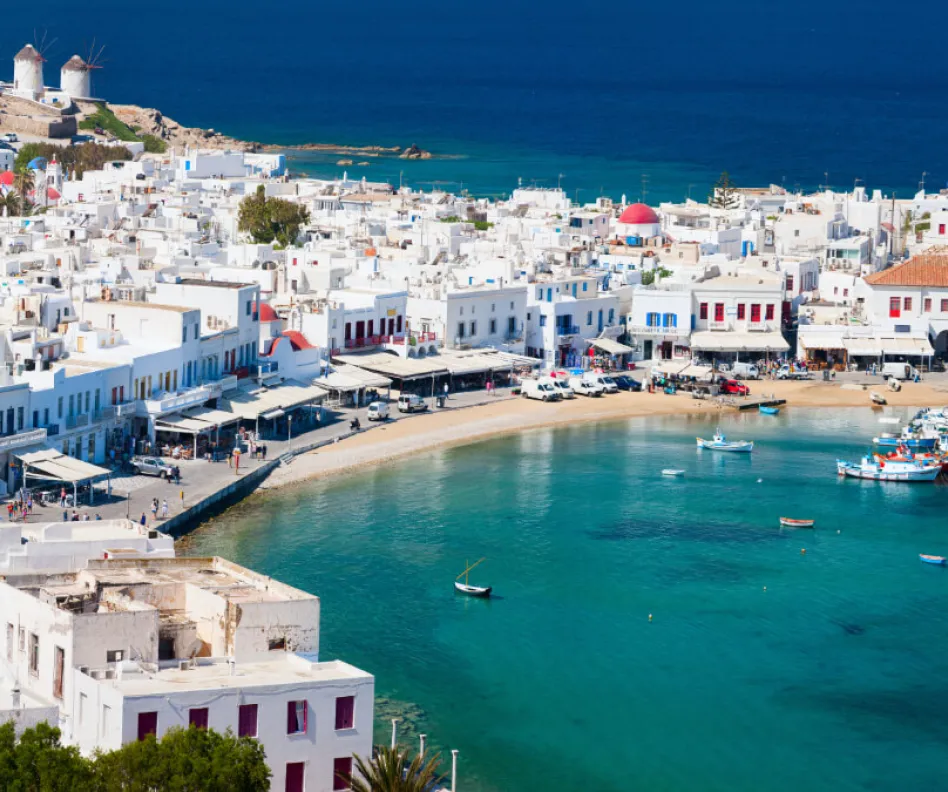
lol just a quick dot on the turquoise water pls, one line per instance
(763, 668)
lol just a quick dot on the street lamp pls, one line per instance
(289, 431)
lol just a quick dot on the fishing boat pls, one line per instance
(882, 470)
(789, 522)
(467, 588)
(877, 398)
(930, 559)
(673, 472)
(764, 409)
(721, 443)
(889, 419)
(907, 439)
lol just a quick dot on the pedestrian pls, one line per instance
(177, 474)
(62, 498)
(86, 517)
(10, 511)
(230, 458)
(164, 509)
(29, 503)
(154, 508)
(263, 451)
(98, 516)
(446, 390)
(143, 520)
(75, 516)
(65, 516)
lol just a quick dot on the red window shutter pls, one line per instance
(296, 717)
(741, 310)
(755, 312)
(295, 774)
(147, 724)
(941, 226)
(907, 304)
(342, 773)
(944, 306)
(345, 712)
(197, 717)
(703, 311)
(247, 720)
(719, 312)
(927, 305)
(770, 312)
(894, 304)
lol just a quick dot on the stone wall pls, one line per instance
(42, 126)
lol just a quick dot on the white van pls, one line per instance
(562, 386)
(741, 370)
(901, 371)
(411, 402)
(608, 383)
(378, 411)
(586, 388)
(541, 389)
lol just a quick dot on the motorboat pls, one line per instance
(789, 522)
(720, 443)
(907, 439)
(467, 588)
(884, 470)
(933, 559)
(673, 472)
(877, 398)
(890, 419)
(765, 410)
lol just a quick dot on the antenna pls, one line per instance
(644, 186)
(921, 184)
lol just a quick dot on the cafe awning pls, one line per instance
(394, 366)
(50, 463)
(711, 341)
(249, 403)
(609, 346)
(351, 378)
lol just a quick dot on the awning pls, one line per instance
(682, 368)
(822, 340)
(474, 361)
(610, 346)
(394, 366)
(351, 378)
(56, 465)
(907, 346)
(210, 416)
(253, 401)
(179, 423)
(269, 416)
(869, 346)
(710, 341)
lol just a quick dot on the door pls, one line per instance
(360, 329)
(295, 776)
(647, 350)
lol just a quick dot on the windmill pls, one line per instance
(76, 74)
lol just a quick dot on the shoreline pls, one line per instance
(435, 430)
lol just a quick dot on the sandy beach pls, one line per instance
(454, 427)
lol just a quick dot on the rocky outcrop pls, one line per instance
(413, 152)
(148, 121)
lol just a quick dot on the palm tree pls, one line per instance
(390, 771)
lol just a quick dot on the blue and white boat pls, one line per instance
(765, 410)
(721, 443)
(907, 440)
(887, 470)
(933, 559)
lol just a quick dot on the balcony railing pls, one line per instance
(179, 401)
(565, 330)
(21, 439)
(657, 330)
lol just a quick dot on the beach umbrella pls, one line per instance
(37, 163)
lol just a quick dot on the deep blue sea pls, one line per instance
(763, 669)
(804, 93)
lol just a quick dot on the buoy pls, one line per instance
(760, 481)
(650, 617)
(838, 531)
(803, 551)
(765, 588)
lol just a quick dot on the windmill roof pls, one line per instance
(75, 63)
(28, 53)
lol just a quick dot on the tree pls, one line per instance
(724, 194)
(390, 771)
(271, 219)
(38, 763)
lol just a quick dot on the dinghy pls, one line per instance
(672, 472)
(765, 410)
(877, 398)
(720, 443)
(930, 559)
(466, 588)
(789, 522)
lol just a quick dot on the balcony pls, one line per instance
(22, 439)
(125, 409)
(761, 326)
(719, 324)
(655, 330)
(172, 402)
(76, 421)
(567, 330)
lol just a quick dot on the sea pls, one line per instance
(645, 100)
(646, 633)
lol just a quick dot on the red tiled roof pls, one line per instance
(926, 269)
(297, 340)
(267, 314)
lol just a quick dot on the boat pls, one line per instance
(467, 588)
(721, 443)
(769, 410)
(877, 398)
(889, 419)
(789, 522)
(883, 470)
(909, 441)
(673, 472)
(930, 559)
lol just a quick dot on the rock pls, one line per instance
(413, 152)
(344, 162)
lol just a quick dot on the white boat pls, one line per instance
(673, 472)
(888, 419)
(877, 398)
(467, 588)
(721, 443)
(887, 470)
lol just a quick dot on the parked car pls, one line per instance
(786, 371)
(734, 387)
(541, 389)
(10, 137)
(742, 370)
(626, 383)
(411, 402)
(607, 382)
(151, 466)
(377, 411)
(585, 387)
(75, 139)
(562, 387)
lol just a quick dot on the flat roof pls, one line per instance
(213, 284)
(151, 305)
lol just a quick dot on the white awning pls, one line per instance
(269, 416)
(710, 341)
(54, 464)
(394, 366)
(180, 423)
(682, 368)
(863, 345)
(610, 346)
(210, 416)
(907, 346)
(253, 401)
(474, 361)
(822, 340)
(351, 378)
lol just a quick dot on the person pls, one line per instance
(62, 498)
(230, 458)
(86, 517)
(446, 390)
(10, 511)
(263, 450)
(143, 520)
(75, 516)
(164, 509)
(177, 474)
(98, 516)
(65, 516)
(29, 503)
(354, 423)
(154, 508)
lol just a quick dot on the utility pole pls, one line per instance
(644, 186)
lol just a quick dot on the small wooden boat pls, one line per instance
(789, 522)
(930, 559)
(888, 419)
(765, 410)
(721, 443)
(673, 472)
(877, 398)
(466, 588)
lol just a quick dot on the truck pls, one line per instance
(788, 371)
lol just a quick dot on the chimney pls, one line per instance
(15, 697)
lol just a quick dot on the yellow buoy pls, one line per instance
(803, 551)
(650, 617)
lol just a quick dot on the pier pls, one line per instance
(761, 401)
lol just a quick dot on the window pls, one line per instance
(493, 326)
(719, 312)
(196, 330)
(276, 644)
(19, 419)
(845, 292)
(703, 311)
(83, 703)
(21, 639)
(651, 320)
(106, 719)
(295, 774)
(197, 717)
(511, 325)
(770, 312)
(755, 312)
(248, 307)
(670, 320)
(461, 329)
(247, 720)
(342, 773)
(184, 334)
(741, 311)
(944, 306)
(59, 659)
(894, 304)
(345, 712)
(34, 654)
(115, 656)
(612, 315)
(589, 317)
(473, 329)
(927, 305)
(296, 717)
(789, 283)
(941, 229)
(907, 304)
(147, 724)
(98, 400)
(72, 405)
(9, 642)
(492, 306)
(88, 393)
(542, 320)
(585, 286)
